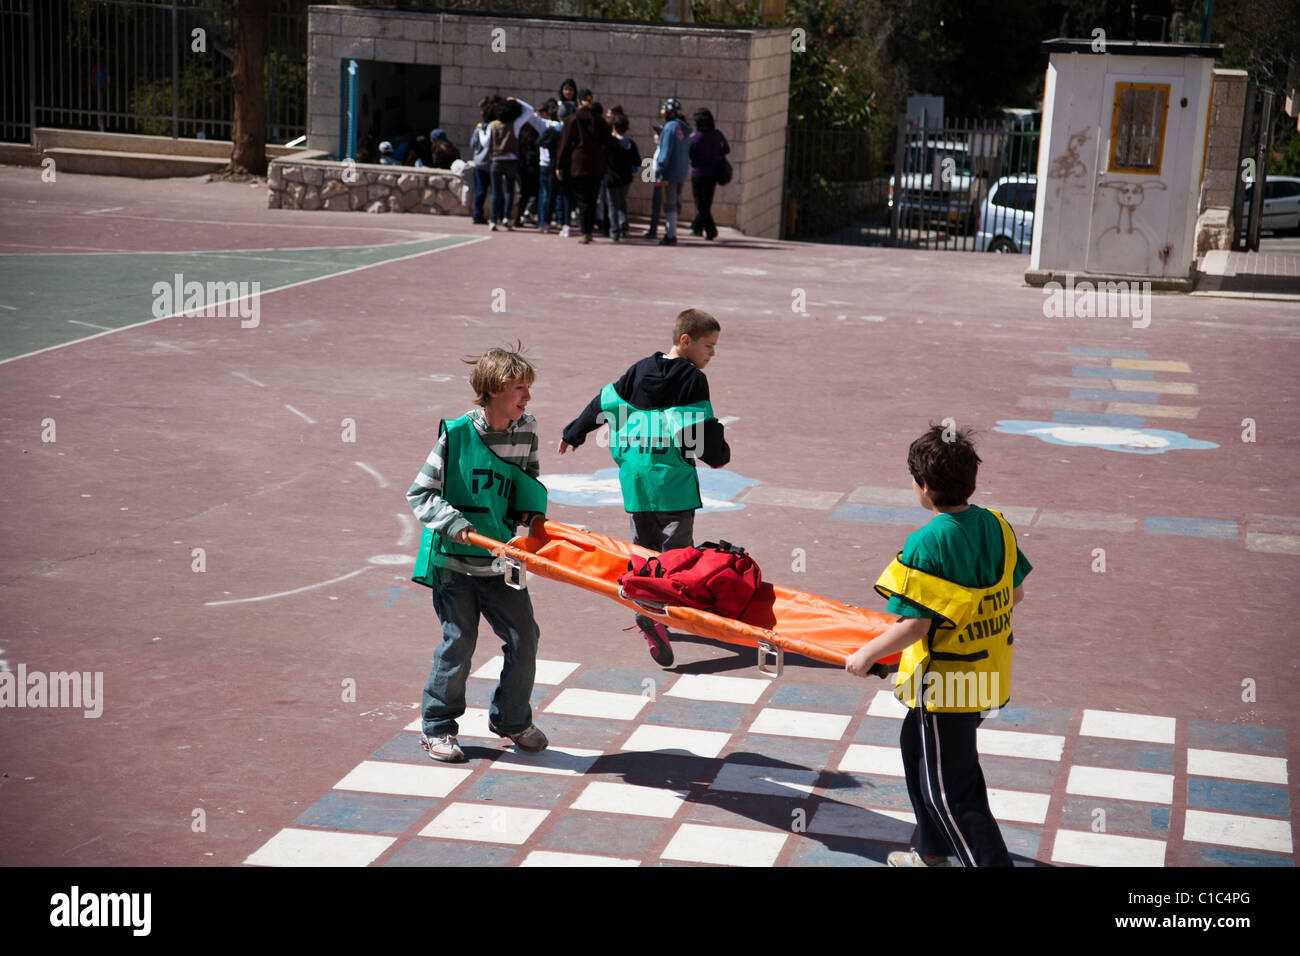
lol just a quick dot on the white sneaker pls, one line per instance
(493, 227)
(564, 232)
(444, 748)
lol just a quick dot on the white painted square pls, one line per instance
(630, 799)
(404, 779)
(730, 690)
(1019, 806)
(563, 761)
(680, 740)
(800, 723)
(1121, 726)
(1230, 829)
(1121, 784)
(485, 823)
(1016, 743)
(873, 758)
(1235, 766)
(295, 847)
(1106, 849)
(472, 723)
(551, 858)
(548, 672)
(862, 823)
(885, 704)
(768, 781)
(696, 843)
(597, 703)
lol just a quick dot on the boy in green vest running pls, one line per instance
(481, 476)
(660, 420)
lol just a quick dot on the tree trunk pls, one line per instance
(249, 135)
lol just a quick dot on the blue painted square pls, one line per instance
(703, 714)
(1022, 843)
(750, 810)
(1209, 735)
(1090, 418)
(1107, 395)
(366, 812)
(792, 752)
(822, 850)
(879, 730)
(1015, 773)
(620, 680)
(422, 852)
(519, 789)
(1037, 720)
(1108, 353)
(626, 836)
(1250, 799)
(589, 732)
(1191, 527)
(1124, 754)
(881, 514)
(1140, 374)
(868, 790)
(828, 700)
(1116, 816)
(1196, 855)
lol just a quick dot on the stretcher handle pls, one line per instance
(654, 607)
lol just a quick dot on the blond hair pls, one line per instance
(496, 369)
(696, 323)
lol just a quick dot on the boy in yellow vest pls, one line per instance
(660, 420)
(953, 586)
(481, 476)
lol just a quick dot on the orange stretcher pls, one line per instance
(777, 619)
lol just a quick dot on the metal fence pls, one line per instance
(160, 67)
(966, 185)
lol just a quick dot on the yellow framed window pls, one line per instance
(1137, 127)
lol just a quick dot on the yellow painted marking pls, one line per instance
(1168, 388)
(1273, 543)
(1152, 411)
(1149, 364)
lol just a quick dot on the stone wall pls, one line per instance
(1215, 226)
(741, 74)
(352, 187)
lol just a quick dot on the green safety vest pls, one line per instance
(489, 491)
(653, 469)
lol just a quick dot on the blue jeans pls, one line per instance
(459, 599)
(545, 182)
(672, 204)
(482, 180)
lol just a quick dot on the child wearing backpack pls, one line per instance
(660, 420)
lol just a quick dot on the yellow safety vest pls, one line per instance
(965, 666)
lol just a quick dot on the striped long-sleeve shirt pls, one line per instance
(517, 445)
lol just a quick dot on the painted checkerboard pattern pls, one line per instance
(649, 767)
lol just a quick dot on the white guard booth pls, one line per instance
(1121, 161)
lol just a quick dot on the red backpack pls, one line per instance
(713, 577)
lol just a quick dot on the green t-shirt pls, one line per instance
(964, 547)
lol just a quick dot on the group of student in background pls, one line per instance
(568, 165)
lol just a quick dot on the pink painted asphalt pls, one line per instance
(164, 445)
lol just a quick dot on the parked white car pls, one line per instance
(1006, 217)
(936, 187)
(1281, 204)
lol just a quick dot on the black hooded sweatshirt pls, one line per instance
(658, 382)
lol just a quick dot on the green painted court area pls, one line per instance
(51, 300)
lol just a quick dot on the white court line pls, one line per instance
(89, 325)
(247, 379)
(408, 523)
(96, 212)
(305, 417)
(291, 285)
(383, 482)
(267, 597)
(11, 308)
